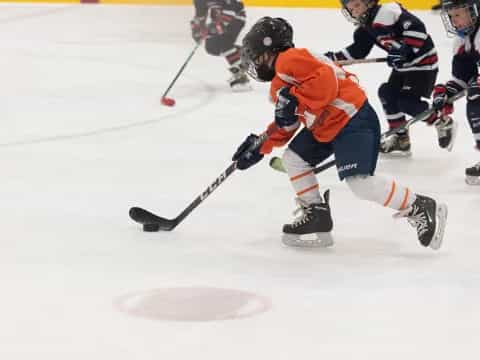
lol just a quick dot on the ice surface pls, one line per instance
(84, 137)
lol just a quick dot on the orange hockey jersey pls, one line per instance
(328, 96)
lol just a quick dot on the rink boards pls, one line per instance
(409, 4)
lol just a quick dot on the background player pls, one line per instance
(460, 18)
(218, 23)
(338, 120)
(437, 6)
(411, 54)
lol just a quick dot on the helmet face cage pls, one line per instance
(451, 29)
(362, 19)
(267, 36)
(349, 16)
(248, 62)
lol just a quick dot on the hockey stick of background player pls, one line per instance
(169, 101)
(277, 164)
(360, 61)
(422, 116)
(152, 222)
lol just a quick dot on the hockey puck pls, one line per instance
(167, 101)
(151, 227)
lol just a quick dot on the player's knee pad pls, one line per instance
(293, 163)
(473, 105)
(386, 94)
(473, 92)
(473, 109)
(363, 186)
(411, 104)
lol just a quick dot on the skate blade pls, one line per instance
(442, 214)
(472, 180)
(318, 240)
(241, 88)
(454, 135)
(396, 154)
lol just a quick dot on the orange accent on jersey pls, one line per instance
(307, 190)
(328, 96)
(276, 137)
(299, 176)
(405, 199)
(390, 196)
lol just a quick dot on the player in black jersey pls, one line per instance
(461, 19)
(412, 56)
(218, 23)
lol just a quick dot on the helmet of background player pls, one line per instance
(460, 17)
(358, 11)
(261, 45)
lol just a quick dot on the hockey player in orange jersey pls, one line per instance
(312, 93)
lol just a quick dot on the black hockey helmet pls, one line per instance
(362, 19)
(267, 37)
(471, 6)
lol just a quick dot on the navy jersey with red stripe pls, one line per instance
(466, 56)
(234, 8)
(391, 25)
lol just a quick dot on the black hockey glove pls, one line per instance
(398, 56)
(199, 28)
(440, 97)
(285, 108)
(330, 55)
(335, 56)
(244, 156)
(441, 93)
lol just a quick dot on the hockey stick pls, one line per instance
(360, 61)
(277, 164)
(169, 101)
(423, 115)
(152, 222)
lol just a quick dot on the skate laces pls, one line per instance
(304, 209)
(415, 217)
(403, 140)
(390, 142)
(237, 73)
(398, 141)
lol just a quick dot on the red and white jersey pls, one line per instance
(328, 96)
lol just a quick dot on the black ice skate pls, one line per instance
(473, 174)
(239, 81)
(446, 131)
(429, 218)
(315, 221)
(396, 145)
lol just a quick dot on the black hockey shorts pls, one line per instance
(220, 43)
(414, 83)
(355, 147)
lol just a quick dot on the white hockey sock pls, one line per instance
(233, 56)
(301, 176)
(382, 191)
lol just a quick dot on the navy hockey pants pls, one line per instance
(355, 147)
(218, 44)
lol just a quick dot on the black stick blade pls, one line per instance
(151, 220)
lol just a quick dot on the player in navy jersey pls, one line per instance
(414, 61)
(461, 19)
(218, 23)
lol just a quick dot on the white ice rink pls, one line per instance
(83, 137)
